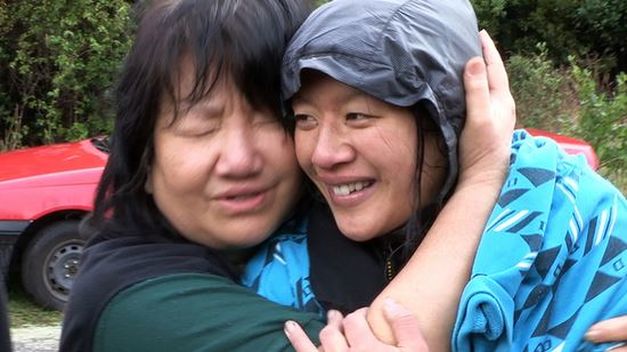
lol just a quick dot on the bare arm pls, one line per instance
(431, 283)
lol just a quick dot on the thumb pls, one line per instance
(404, 326)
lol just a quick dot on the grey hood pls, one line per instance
(403, 52)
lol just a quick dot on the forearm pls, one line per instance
(431, 283)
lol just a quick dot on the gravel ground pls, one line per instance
(36, 339)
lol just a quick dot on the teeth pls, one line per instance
(346, 189)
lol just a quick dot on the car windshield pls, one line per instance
(101, 143)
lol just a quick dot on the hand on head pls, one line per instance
(491, 115)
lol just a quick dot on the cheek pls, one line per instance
(179, 166)
(304, 146)
(401, 158)
(400, 153)
(279, 150)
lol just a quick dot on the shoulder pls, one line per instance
(109, 267)
(184, 312)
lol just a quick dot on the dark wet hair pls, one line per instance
(423, 215)
(241, 40)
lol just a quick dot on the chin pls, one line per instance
(357, 235)
(245, 236)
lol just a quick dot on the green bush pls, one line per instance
(603, 119)
(57, 61)
(572, 101)
(490, 13)
(568, 27)
(540, 92)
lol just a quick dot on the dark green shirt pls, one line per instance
(195, 312)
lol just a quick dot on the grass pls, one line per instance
(24, 312)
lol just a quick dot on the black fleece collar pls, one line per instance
(345, 275)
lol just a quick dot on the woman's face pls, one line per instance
(362, 154)
(224, 174)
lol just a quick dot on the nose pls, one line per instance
(239, 156)
(333, 148)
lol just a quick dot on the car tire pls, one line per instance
(50, 263)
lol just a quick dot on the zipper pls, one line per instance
(389, 269)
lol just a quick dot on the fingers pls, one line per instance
(477, 91)
(298, 338)
(496, 69)
(332, 335)
(357, 330)
(608, 330)
(405, 327)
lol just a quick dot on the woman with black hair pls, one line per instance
(201, 170)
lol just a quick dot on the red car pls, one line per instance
(46, 191)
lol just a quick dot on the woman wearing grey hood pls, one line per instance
(375, 89)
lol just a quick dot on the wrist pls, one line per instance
(486, 181)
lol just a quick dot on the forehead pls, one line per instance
(189, 83)
(326, 92)
(315, 84)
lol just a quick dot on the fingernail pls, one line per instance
(289, 327)
(332, 313)
(476, 68)
(593, 334)
(391, 307)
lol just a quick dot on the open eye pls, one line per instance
(355, 116)
(358, 119)
(305, 122)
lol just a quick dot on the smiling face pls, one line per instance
(224, 174)
(361, 153)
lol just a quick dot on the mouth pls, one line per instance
(347, 189)
(243, 201)
(242, 197)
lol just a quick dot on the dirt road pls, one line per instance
(36, 339)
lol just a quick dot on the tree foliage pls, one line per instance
(583, 28)
(603, 118)
(57, 62)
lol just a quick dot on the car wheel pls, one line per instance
(50, 263)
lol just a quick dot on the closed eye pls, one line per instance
(195, 124)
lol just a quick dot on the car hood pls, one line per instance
(56, 164)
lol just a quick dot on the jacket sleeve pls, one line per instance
(552, 260)
(196, 312)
